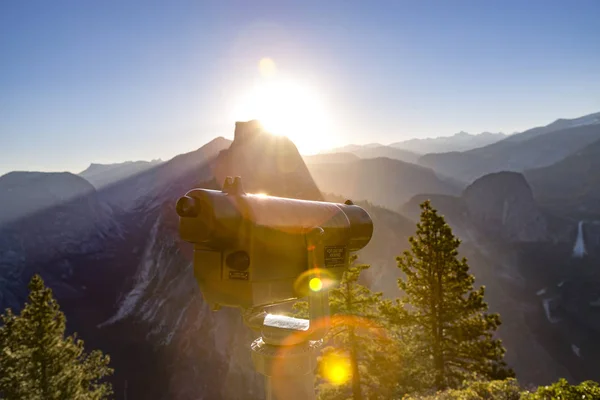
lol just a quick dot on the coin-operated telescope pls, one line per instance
(254, 251)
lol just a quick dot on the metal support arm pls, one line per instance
(286, 352)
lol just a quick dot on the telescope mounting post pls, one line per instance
(286, 352)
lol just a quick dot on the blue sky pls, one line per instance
(108, 81)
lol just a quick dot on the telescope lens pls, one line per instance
(240, 261)
(187, 207)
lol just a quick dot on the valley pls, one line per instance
(529, 228)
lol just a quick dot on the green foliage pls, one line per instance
(562, 390)
(452, 333)
(507, 389)
(38, 362)
(356, 339)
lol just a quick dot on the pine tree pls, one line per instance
(453, 333)
(358, 356)
(37, 361)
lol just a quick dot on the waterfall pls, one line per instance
(504, 211)
(579, 248)
(547, 309)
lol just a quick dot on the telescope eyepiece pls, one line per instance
(187, 207)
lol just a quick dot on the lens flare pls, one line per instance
(267, 67)
(335, 367)
(316, 278)
(315, 284)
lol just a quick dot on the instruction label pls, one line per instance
(334, 256)
(239, 275)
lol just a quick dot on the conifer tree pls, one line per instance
(38, 362)
(453, 333)
(358, 356)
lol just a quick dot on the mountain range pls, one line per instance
(461, 141)
(373, 150)
(534, 148)
(410, 150)
(113, 256)
(101, 175)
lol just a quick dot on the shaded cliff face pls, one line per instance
(570, 187)
(45, 218)
(499, 207)
(501, 204)
(190, 351)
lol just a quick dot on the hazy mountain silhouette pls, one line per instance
(25, 193)
(535, 148)
(461, 141)
(350, 148)
(383, 181)
(375, 150)
(327, 158)
(101, 175)
(559, 124)
(571, 186)
(124, 194)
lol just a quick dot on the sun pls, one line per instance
(287, 106)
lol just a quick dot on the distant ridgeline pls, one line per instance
(114, 259)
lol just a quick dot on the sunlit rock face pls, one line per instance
(267, 163)
(501, 204)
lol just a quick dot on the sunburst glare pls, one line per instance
(287, 106)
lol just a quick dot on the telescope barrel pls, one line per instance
(250, 249)
(216, 219)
